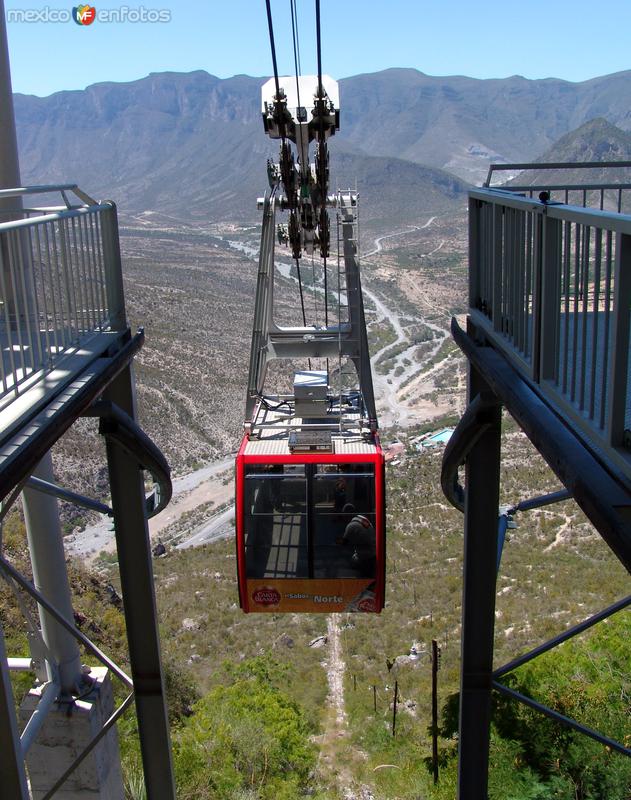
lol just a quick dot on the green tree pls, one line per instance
(244, 740)
(532, 757)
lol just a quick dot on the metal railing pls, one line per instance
(60, 282)
(550, 285)
(614, 194)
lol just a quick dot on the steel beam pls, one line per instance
(478, 602)
(269, 341)
(562, 719)
(563, 637)
(20, 454)
(139, 602)
(68, 496)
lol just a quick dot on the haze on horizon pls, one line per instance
(491, 39)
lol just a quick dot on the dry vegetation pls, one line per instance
(551, 577)
(194, 293)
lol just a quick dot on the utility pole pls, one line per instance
(394, 708)
(435, 668)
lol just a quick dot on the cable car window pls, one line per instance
(344, 522)
(275, 521)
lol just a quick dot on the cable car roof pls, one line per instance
(342, 445)
(272, 429)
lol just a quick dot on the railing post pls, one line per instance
(550, 298)
(478, 606)
(497, 267)
(113, 267)
(618, 377)
(539, 220)
(475, 249)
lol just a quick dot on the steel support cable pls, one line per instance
(270, 25)
(294, 23)
(28, 587)
(323, 184)
(561, 718)
(31, 624)
(115, 424)
(326, 292)
(575, 630)
(319, 47)
(315, 293)
(281, 117)
(294, 32)
(473, 424)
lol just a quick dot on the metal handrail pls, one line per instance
(592, 193)
(60, 283)
(550, 286)
(23, 191)
(554, 165)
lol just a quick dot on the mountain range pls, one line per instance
(192, 145)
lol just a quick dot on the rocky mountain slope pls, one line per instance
(596, 140)
(192, 145)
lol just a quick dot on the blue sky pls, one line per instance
(570, 39)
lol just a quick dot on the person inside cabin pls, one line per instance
(359, 536)
(339, 495)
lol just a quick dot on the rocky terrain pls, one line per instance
(192, 146)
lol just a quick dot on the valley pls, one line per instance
(414, 374)
(338, 670)
(183, 155)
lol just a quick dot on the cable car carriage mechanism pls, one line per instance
(310, 500)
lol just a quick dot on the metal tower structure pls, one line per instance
(66, 351)
(345, 338)
(547, 338)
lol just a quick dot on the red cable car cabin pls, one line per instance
(310, 521)
(310, 509)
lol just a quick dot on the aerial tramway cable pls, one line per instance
(294, 24)
(288, 170)
(294, 32)
(323, 171)
(319, 47)
(307, 444)
(270, 25)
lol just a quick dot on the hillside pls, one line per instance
(184, 156)
(596, 140)
(461, 124)
(551, 577)
(192, 145)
